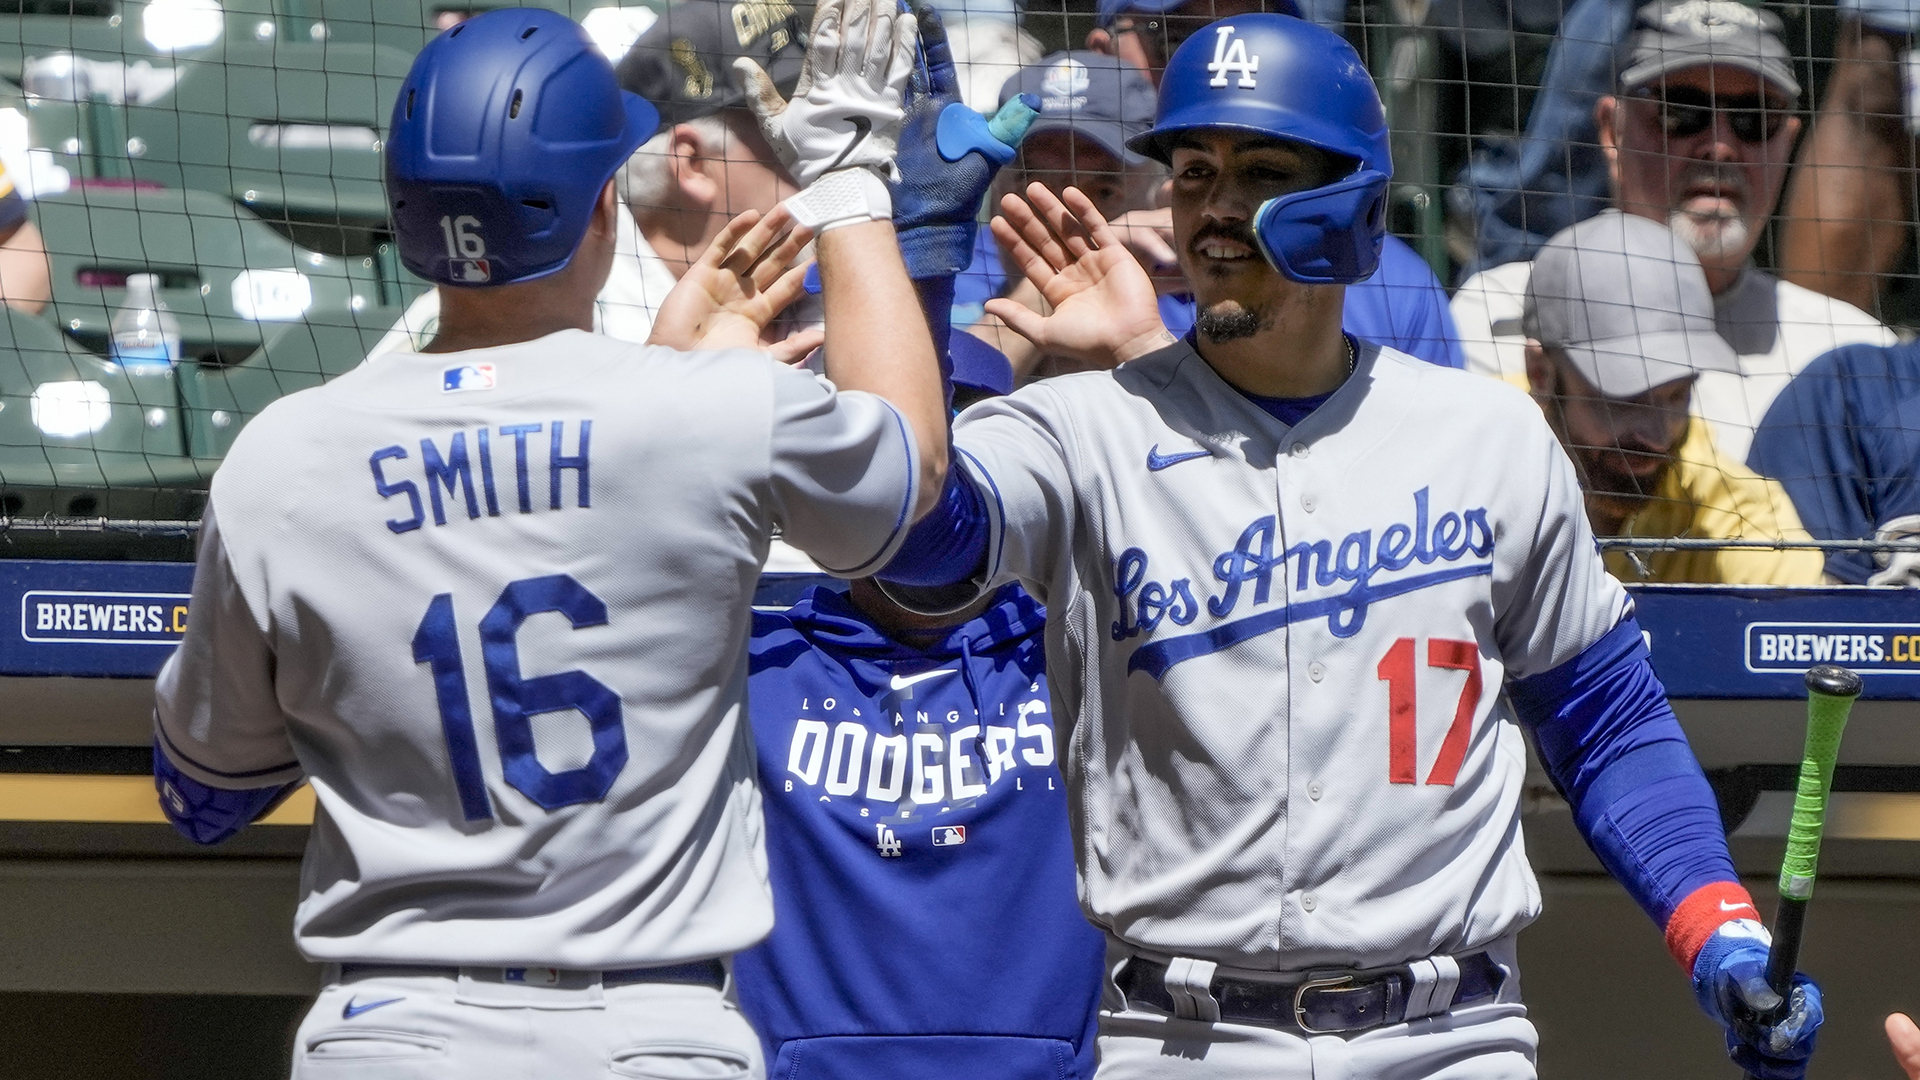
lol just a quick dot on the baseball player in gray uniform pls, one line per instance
(492, 600)
(1304, 594)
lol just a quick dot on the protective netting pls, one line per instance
(225, 158)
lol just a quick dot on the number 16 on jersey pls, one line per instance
(516, 700)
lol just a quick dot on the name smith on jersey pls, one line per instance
(452, 471)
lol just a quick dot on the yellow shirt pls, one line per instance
(1709, 496)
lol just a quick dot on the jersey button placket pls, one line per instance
(1316, 671)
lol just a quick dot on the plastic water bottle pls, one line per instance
(146, 336)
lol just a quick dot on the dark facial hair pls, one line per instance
(1599, 465)
(1224, 326)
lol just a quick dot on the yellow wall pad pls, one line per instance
(124, 800)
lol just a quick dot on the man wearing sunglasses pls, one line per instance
(1698, 135)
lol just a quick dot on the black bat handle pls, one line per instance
(1784, 957)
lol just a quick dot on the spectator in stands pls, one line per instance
(708, 163)
(1145, 32)
(26, 277)
(1517, 193)
(1697, 136)
(1852, 195)
(1619, 325)
(1844, 439)
(1090, 104)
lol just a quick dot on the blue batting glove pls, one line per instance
(1730, 983)
(948, 157)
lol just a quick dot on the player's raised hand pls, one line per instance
(1149, 235)
(747, 276)
(849, 105)
(948, 157)
(1103, 308)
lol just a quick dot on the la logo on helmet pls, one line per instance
(1231, 56)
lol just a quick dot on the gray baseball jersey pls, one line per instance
(494, 605)
(1280, 651)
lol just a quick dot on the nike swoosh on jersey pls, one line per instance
(861, 127)
(351, 1010)
(1157, 461)
(1724, 906)
(901, 684)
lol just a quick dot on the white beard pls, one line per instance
(1712, 236)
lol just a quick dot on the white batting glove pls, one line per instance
(850, 102)
(1900, 568)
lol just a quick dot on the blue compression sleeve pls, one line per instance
(1612, 745)
(208, 815)
(949, 545)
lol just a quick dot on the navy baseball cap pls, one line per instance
(684, 62)
(1109, 10)
(1102, 97)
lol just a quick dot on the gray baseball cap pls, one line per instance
(1102, 97)
(1627, 301)
(1673, 35)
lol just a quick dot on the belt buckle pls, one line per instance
(1316, 982)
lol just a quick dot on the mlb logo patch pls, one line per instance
(471, 271)
(949, 836)
(467, 377)
(535, 976)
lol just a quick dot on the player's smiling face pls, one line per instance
(1220, 178)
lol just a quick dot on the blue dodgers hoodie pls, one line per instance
(926, 921)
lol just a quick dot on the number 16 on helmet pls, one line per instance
(507, 129)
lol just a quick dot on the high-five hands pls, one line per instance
(839, 134)
(746, 277)
(1103, 308)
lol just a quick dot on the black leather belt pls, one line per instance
(709, 973)
(1324, 1002)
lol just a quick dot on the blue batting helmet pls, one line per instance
(1287, 78)
(505, 132)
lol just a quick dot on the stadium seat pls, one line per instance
(228, 276)
(284, 128)
(219, 400)
(66, 450)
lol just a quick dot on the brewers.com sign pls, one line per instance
(104, 618)
(1868, 648)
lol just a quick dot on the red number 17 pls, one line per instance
(1396, 668)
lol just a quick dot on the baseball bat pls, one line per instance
(1830, 695)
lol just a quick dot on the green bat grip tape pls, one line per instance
(1830, 695)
